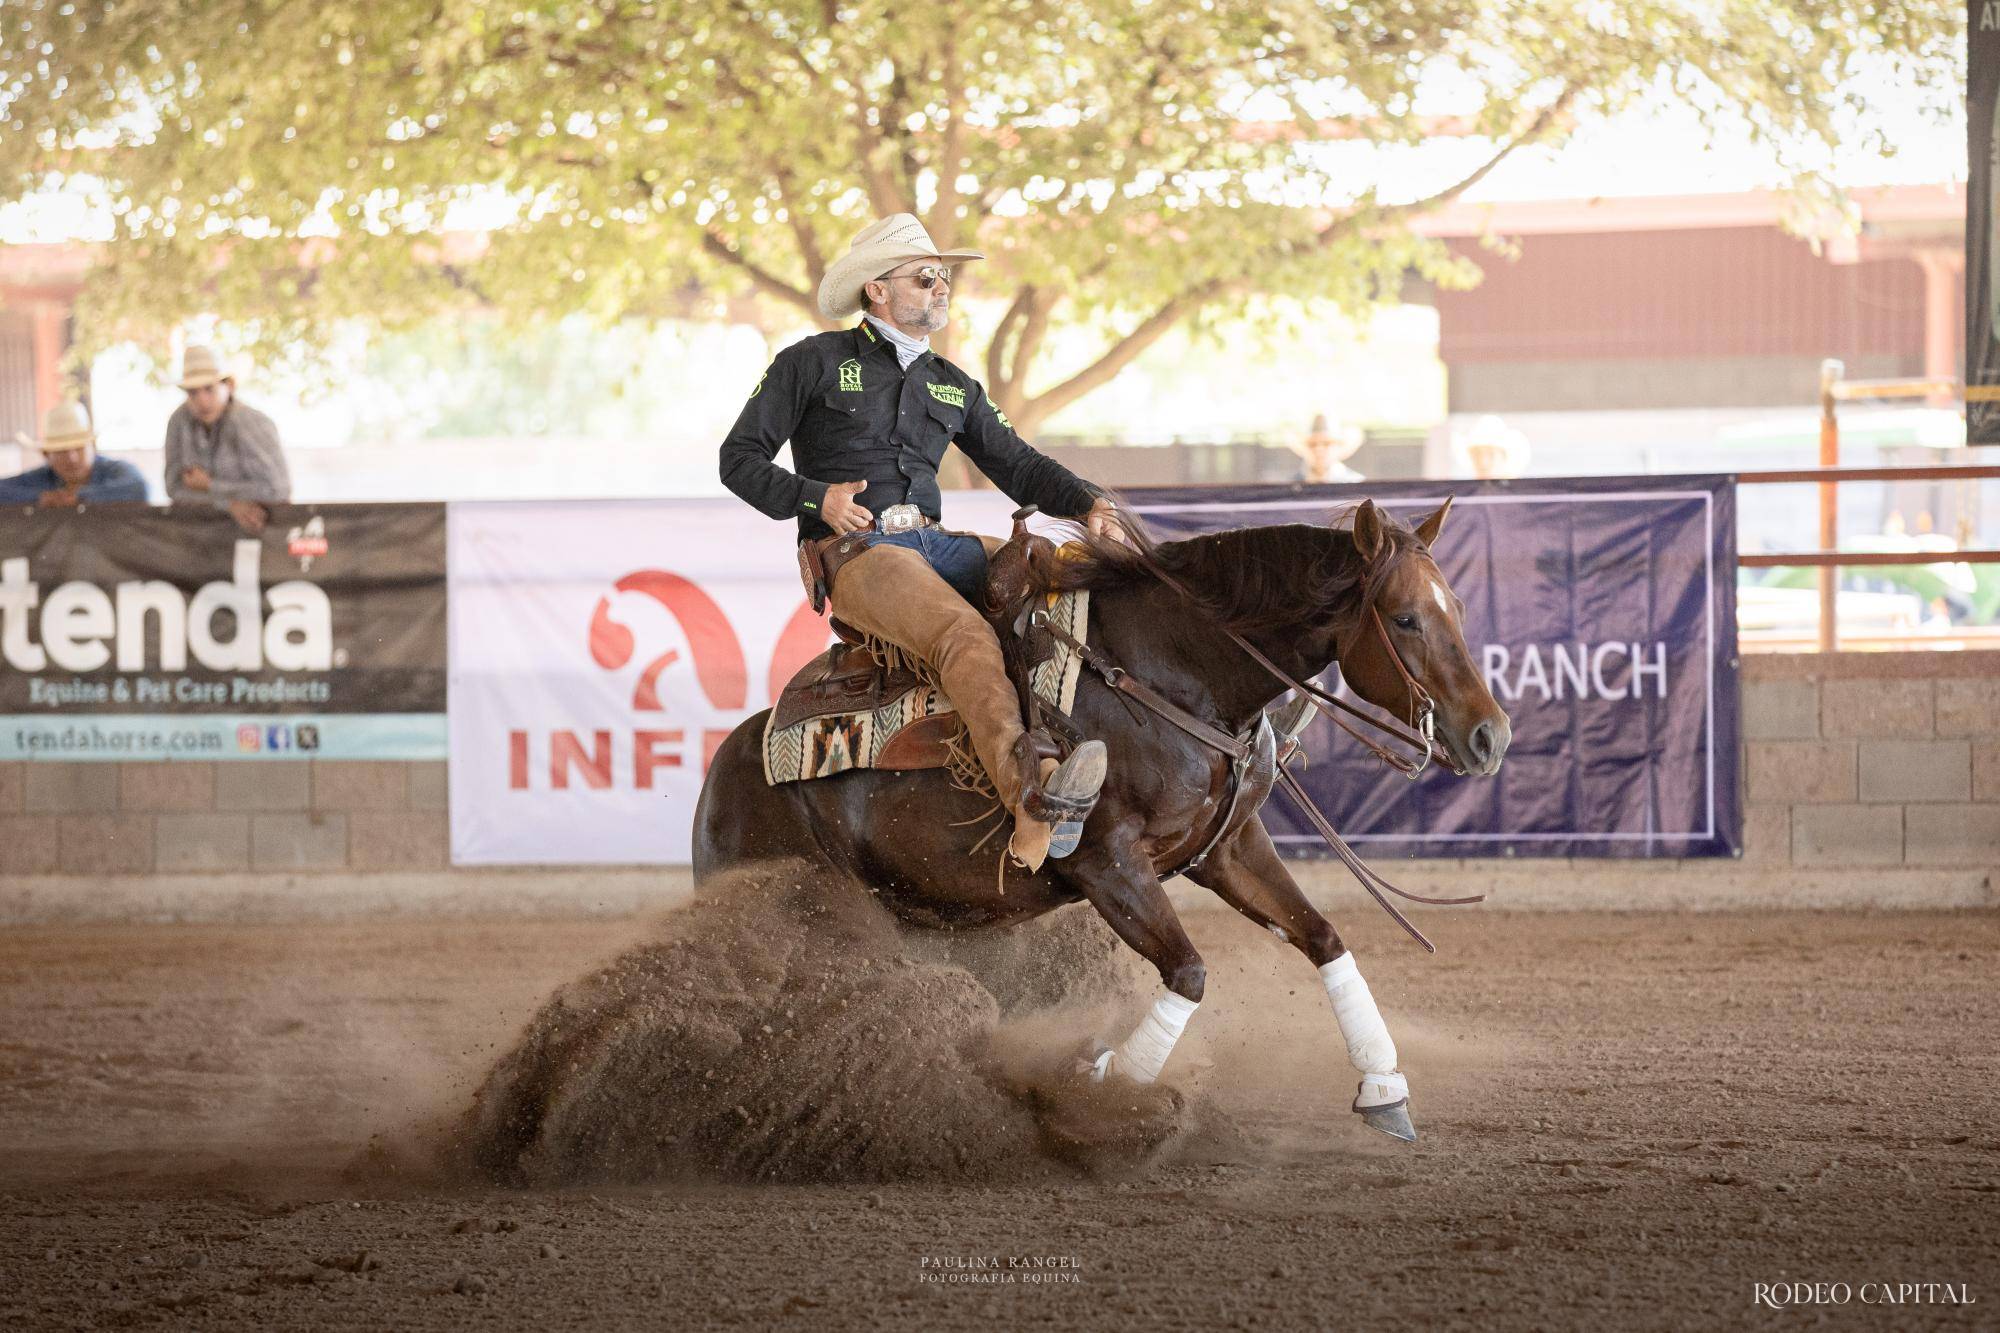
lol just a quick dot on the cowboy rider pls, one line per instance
(869, 411)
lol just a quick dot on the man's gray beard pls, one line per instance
(919, 315)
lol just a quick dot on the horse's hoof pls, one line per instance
(1393, 1120)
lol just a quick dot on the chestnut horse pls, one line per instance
(1368, 597)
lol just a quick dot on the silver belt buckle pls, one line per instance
(899, 518)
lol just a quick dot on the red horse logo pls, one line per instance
(712, 640)
(719, 666)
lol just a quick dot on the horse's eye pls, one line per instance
(1406, 622)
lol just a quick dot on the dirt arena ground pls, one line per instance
(1626, 1121)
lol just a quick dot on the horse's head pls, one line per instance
(1422, 628)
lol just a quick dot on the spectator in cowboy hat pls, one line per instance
(221, 451)
(1490, 450)
(1326, 451)
(71, 473)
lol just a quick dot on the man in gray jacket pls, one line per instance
(220, 451)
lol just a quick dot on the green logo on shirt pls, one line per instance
(946, 393)
(760, 384)
(1003, 418)
(850, 376)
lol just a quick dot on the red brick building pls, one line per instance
(1661, 319)
(38, 287)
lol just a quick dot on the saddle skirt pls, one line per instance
(844, 710)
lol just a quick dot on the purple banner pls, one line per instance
(1602, 613)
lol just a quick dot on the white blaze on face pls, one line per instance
(1437, 592)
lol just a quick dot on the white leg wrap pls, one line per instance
(1144, 1054)
(1369, 1045)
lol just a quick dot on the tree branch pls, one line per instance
(869, 139)
(1120, 354)
(948, 164)
(1538, 125)
(1040, 304)
(802, 231)
(997, 375)
(1155, 326)
(762, 278)
(790, 50)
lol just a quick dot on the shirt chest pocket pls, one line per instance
(845, 417)
(951, 418)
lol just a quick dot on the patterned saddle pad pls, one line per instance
(913, 727)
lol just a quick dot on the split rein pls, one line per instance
(1422, 707)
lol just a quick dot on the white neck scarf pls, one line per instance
(907, 348)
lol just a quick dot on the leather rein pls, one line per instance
(1422, 706)
(1241, 751)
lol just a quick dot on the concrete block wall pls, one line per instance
(108, 819)
(1871, 780)
(1877, 759)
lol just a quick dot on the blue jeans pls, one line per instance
(958, 560)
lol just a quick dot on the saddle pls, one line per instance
(845, 710)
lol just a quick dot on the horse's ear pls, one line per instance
(1427, 530)
(1369, 540)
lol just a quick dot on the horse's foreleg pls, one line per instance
(1247, 873)
(1126, 893)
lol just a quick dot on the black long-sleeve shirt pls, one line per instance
(853, 413)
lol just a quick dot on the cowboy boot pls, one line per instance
(1063, 799)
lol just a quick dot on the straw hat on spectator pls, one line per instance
(1490, 448)
(65, 426)
(881, 246)
(203, 366)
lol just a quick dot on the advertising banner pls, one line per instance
(601, 650)
(1602, 613)
(1982, 327)
(130, 633)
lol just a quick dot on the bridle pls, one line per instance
(1422, 706)
(1242, 751)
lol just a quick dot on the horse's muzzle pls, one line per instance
(1486, 745)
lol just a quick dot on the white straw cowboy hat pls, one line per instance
(896, 239)
(1493, 435)
(203, 366)
(65, 426)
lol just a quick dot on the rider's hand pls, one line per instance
(196, 478)
(840, 510)
(249, 515)
(1102, 520)
(61, 498)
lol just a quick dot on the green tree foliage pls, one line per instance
(1129, 164)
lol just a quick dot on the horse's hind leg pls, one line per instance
(1122, 887)
(1247, 873)
(742, 818)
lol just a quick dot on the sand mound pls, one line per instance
(785, 1028)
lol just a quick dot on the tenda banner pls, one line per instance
(601, 651)
(134, 633)
(1602, 613)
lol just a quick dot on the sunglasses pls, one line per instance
(926, 278)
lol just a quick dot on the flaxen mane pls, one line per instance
(1248, 579)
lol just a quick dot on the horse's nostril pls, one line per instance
(1482, 742)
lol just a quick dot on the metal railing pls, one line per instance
(1835, 389)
